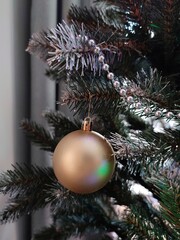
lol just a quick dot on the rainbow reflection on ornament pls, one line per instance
(100, 174)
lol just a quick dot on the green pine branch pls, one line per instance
(39, 45)
(115, 12)
(90, 17)
(69, 46)
(127, 147)
(134, 15)
(144, 153)
(103, 123)
(167, 189)
(166, 144)
(109, 38)
(171, 22)
(104, 95)
(20, 206)
(159, 89)
(23, 185)
(118, 188)
(71, 50)
(142, 223)
(138, 13)
(101, 92)
(24, 179)
(39, 135)
(133, 154)
(154, 24)
(57, 76)
(93, 213)
(61, 124)
(50, 233)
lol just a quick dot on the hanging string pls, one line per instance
(89, 105)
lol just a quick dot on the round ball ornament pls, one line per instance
(84, 160)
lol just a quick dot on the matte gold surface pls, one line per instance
(83, 161)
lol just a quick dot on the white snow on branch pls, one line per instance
(138, 189)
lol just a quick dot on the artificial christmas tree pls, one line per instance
(120, 61)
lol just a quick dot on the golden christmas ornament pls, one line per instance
(84, 160)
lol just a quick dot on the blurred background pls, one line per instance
(25, 92)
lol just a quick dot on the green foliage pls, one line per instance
(154, 24)
(39, 135)
(24, 179)
(134, 154)
(42, 137)
(158, 90)
(88, 213)
(99, 93)
(56, 76)
(29, 188)
(90, 17)
(115, 13)
(40, 45)
(167, 189)
(61, 124)
(144, 224)
(69, 47)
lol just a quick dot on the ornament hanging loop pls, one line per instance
(87, 124)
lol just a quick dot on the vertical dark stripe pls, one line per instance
(28, 221)
(22, 23)
(28, 218)
(59, 11)
(59, 18)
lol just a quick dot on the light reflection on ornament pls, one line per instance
(100, 173)
(92, 179)
(103, 170)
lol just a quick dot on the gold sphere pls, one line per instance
(83, 161)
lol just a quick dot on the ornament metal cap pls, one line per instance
(87, 124)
